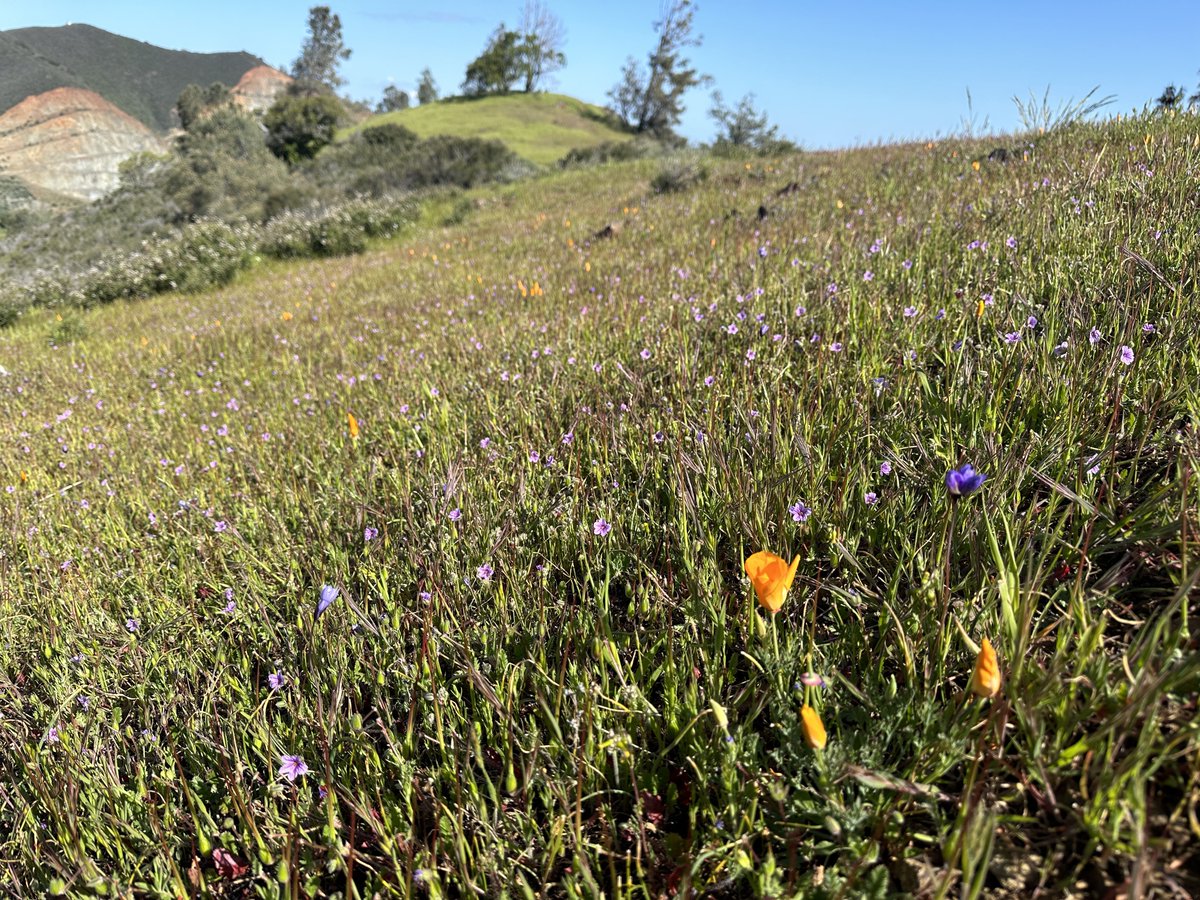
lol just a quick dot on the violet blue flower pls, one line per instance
(964, 481)
(328, 595)
(293, 766)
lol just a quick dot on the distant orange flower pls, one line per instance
(287, 315)
(979, 307)
(812, 727)
(353, 423)
(985, 680)
(772, 577)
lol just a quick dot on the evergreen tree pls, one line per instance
(316, 68)
(427, 91)
(651, 101)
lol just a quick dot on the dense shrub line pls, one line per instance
(210, 253)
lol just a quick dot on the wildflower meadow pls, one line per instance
(822, 526)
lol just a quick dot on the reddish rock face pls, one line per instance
(71, 141)
(258, 88)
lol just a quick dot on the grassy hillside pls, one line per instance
(141, 79)
(422, 572)
(542, 128)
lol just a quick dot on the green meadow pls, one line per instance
(541, 127)
(518, 464)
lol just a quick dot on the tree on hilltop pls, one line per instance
(544, 37)
(498, 67)
(650, 101)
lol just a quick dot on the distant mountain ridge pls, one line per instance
(137, 78)
(75, 101)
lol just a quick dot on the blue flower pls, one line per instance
(964, 481)
(328, 595)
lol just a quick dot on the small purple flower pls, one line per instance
(602, 527)
(812, 679)
(909, 312)
(534, 456)
(132, 625)
(709, 380)
(230, 608)
(568, 438)
(485, 572)
(220, 526)
(328, 595)
(1061, 350)
(1031, 321)
(455, 514)
(52, 735)
(836, 347)
(1126, 355)
(871, 498)
(868, 275)
(1011, 243)
(885, 468)
(964, 481)
(1012, 337)
(275, 680)
(1149, 328)
(293, 767)
(369, 534)
(645, 354)
(1094, 336)
(799, 511)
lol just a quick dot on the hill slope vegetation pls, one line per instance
(541, 128)
(423, 572)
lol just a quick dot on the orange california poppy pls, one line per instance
(813, 728)
(985, 680)
(771, 577)
(353, 423)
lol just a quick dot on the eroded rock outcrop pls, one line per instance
(259, 87)
(71, 141)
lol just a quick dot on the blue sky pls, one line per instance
(829, 74)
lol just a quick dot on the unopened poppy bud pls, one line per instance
(812, 727)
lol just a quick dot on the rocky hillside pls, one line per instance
(76, 101)
(71, 141)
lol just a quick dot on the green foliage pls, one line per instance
(223, 169)
(608, 151)
(745, 128)
(650, 101)
(393, 99)
(539, 127)
(427, 91)
(543, 37)
(681, 175)
(545, 671)
(1171, 98)
(299, 126)
(143, 80)
(315, 70)
(498, 67)
(194, 101)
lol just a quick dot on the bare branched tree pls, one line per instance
(544, 38)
